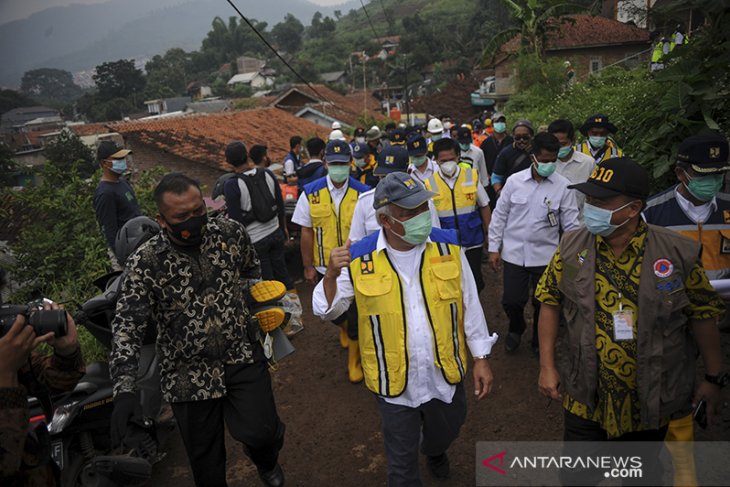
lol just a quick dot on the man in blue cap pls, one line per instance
(421, 166)
(419, 316)
(598, 143)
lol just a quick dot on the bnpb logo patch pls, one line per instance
(663, 268)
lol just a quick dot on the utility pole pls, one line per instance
(364, 88)
(407, 97)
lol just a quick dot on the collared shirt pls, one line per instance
(364, 222)
(577, 170)
(476, 157)
(428, 170)
(510, 160)
(617, 406)
(520, 226)
(197, 302)
(698, 214)
(303, 217)
(291, 164)
(425, 381)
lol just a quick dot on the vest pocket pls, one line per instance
(371, 287)
(447, 280)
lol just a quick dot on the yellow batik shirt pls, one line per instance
(617, 403)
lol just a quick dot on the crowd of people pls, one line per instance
(394, 224)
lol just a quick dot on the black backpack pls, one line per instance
(263, 203)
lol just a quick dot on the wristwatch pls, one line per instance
(720, 380)
(480, 357)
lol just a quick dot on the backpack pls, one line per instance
(263, 203)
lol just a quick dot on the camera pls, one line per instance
(42, 320)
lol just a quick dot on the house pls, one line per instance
(334, 78)
(167, 105)
(14, 120)
(246, 64)
(195, 144)
(589, 43)
(197, 90)
(254, 79)
(24, 129)
(388, 46)
(210, 105)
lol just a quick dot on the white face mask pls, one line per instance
(448, 167)
(360, 140)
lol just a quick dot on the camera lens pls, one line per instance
(47, 321)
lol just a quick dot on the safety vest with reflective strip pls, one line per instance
(457, 208)
(714, 234)
(609, 151)
(330, 225)
(382, 328)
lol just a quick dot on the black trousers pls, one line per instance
(649, 444)
(250, 414)
(271, 251)
(474, 257)
(519, 284)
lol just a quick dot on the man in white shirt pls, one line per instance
(472, 156)
(534, 207)
(392, 159)
(293, 161)
(414, 331)
(421, 166)
(575, 166)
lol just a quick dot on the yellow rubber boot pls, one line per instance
(680, 436)
(344, 340)
(354, 367)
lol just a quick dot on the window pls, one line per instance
(595, 64)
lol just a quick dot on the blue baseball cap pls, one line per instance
(392, 159)
(417, 145)
(337, 151)
(359, 151)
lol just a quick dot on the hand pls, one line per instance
(495, 261)
(711, 394)
(549, 382)
(339, 258)
(310, 274)
(124, 407)
(65, 345)
(15, 348)
(483, 378)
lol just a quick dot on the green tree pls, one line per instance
(8, 166)
(288, 34)
(68, 153)
(50, 84)
(167, 75)
(225, 42)
(10, 99)
(118, 79)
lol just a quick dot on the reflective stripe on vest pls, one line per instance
(382, 323)
(331, 227)
(457, 208)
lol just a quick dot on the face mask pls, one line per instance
(119, 166)
(597, 141)
(448, 125)
(464, 147)
(544, 169)
(704, 188)
(435, 137)
(417, 228)
(448, 167)
(360, 162)
(500, 127)
(339, 173)
(598, 220)
(360, 140)
(418, 161)
(564, 151)
(190, 232)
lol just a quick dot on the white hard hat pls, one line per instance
(435, 126)
(336, 135)
(336, 125)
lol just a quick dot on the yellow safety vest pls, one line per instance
(457, 208)
(610, 150)
(382, 324)
(330, 227)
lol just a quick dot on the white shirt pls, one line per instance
(425, 381)
(520, 228)
(476, 156)
(428, 170)
(364, 222)
(577, 170)
(698, 214)
(303, 217)
(257, 230)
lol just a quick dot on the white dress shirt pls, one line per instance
(577, 170)
(425, 381)
(428, 170)
(476, 156)
(303, 217)
(364, 222)
(520, 228)
(698, 214)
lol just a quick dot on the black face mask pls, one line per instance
(190, 232)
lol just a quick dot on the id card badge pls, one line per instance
(623, 325)
(552, 218)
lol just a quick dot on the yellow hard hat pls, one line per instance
(488, 122)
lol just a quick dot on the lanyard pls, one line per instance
(613, 282)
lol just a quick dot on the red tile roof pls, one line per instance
(346, 108)
(586, 31)
(202, 137)
(90, 129)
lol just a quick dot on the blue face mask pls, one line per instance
(500, 127)
(597, 141)
(598, 220)
(464, 147)
(564, 151)
(435, 137)
(119, 166)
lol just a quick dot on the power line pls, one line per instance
(369, 21)
(278, 55)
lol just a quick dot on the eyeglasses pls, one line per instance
(521, 137)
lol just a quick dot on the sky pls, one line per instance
(19, 9)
